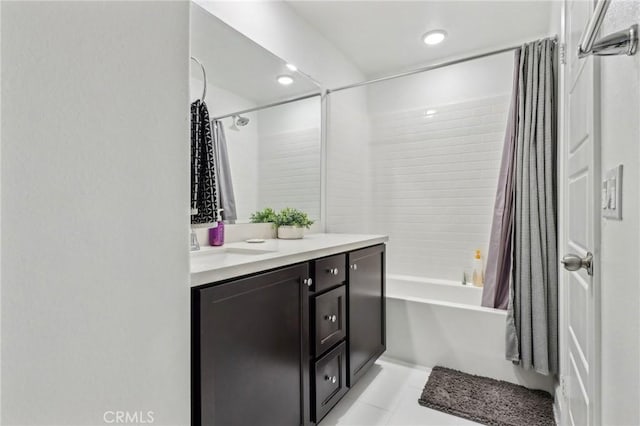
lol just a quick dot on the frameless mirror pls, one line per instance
(273, 152)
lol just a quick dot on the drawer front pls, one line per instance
(330, 381)
(330, 316)
(329, 272)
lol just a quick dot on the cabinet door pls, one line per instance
(366, 309)
(250, 365)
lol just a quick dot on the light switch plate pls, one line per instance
(612, 194)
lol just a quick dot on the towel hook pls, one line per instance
(204, 78)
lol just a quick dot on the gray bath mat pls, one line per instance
(487, 401)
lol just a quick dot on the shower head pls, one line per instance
(241, 121)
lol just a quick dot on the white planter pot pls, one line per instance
(290, 232)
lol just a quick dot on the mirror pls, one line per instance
(274, 153)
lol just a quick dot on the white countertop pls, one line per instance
(211, 264)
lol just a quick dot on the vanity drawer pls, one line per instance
(329, 272)
(330, 380)
(330, 315)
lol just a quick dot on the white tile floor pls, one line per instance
(388, 395)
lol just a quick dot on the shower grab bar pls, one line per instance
(204, 78)
(624, 42)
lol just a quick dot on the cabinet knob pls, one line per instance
(308, 282)
(333, 271)
(354, 267)
(331, 379)
(331, 318)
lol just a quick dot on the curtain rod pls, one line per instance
(274, 104)
(429, 68)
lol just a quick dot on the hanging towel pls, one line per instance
(226, 196)
(204, 203)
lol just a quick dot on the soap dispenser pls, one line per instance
(216, 234)
(478, 272)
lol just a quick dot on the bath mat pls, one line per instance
(487, 401)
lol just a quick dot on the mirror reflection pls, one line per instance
(268, 156)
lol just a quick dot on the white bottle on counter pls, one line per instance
(478, 270)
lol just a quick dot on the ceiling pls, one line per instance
(384, 37)
(235, 63)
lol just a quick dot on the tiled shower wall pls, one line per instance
(289, 170)
(434, 181)
(348, 165)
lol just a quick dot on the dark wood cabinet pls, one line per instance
(366, 284)
(329, 272)
(329, 311)
(282, 347)
(250, 350)
(330, 380)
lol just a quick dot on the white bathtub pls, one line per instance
(435, 322)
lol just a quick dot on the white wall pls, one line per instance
(434, 178)
(95, 177)
(620, 276)
(475, 79)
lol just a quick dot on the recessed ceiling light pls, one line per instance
(430, 113)
(285, 80)
(434, 37)
(292, 67)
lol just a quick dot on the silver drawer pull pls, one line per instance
(354, 267)
(331, 379)
(308, 282)
(331, 318)
(333, 271)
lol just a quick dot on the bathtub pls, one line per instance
(436, 322)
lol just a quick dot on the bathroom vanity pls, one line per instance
(281, 332)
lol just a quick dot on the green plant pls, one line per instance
(293, 217)
(267, 215)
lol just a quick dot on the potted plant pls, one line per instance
(267, 215)
(290, 223)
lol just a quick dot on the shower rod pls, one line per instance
(274, 104)
(429, 68)
(380, 79)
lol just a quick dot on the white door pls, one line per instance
(581, 236)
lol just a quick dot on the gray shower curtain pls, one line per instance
(521, 272)
(495, 293)
(226, 196)
(532, 315)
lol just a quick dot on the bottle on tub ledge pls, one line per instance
(216, 234)
(477, 277)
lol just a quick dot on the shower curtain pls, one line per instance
(226, 196)
(495, 293)
(524, 233)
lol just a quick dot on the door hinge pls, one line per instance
(562, 53)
